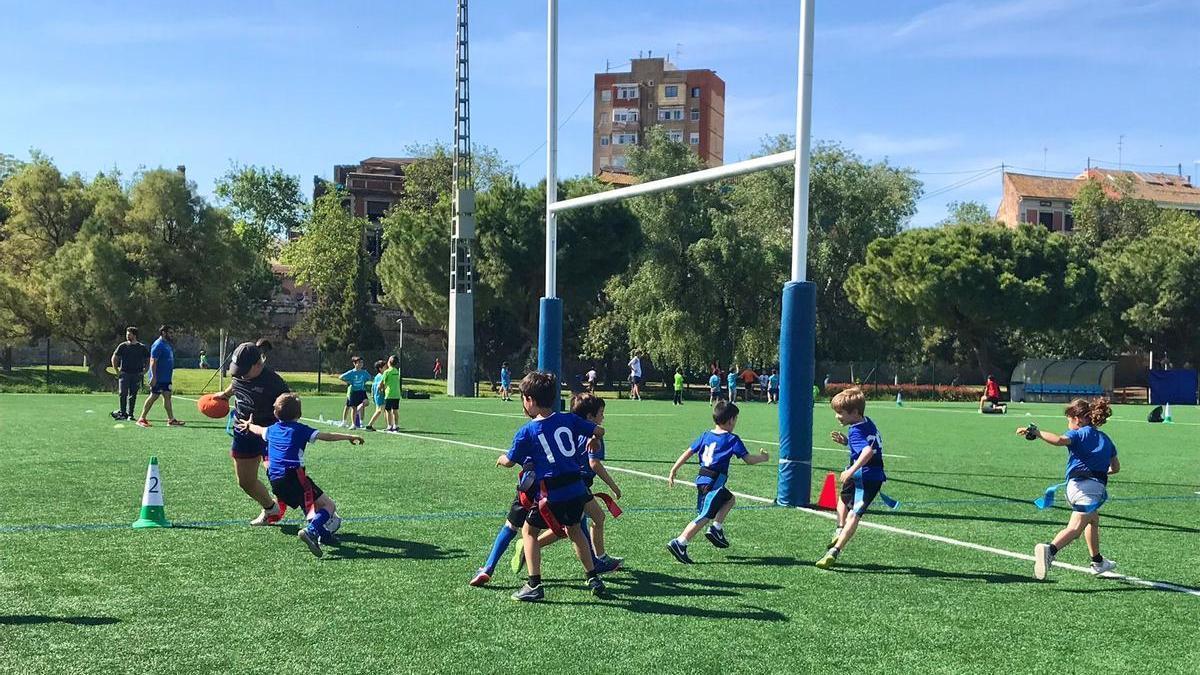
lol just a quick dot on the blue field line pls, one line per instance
(388, 518)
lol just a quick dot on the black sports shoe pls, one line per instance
(117, 415)
(680, 552)
(529, 593)
(598, 588)
(717, 537)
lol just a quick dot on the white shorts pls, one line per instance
(1086, 495)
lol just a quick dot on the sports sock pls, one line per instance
(318, 522)
(1097, 558)
(681, 542)
(1053, 549)
(717, 526)
(503, 538)
(535, 580)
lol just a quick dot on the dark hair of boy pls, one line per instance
(504, 365)
(586, 405)
(164, 329)
(393, 361)
(264, 345)
(724, 411)
(287, 407)
(355, 359)
(379, 365)
(679, 370)
(541, 387)
(132, 330)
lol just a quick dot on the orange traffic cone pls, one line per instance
(829, 496)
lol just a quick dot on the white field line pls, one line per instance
(1135, 581)
(886, 528)
(1037, 416)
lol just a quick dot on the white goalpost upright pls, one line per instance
(798, 321)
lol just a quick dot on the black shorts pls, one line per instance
(856, 501)
(296, 492)
(517, 513)
(994, 400)
(567, 513)
(246, 444)
(355, 397)
(391, 404)
(708, 502)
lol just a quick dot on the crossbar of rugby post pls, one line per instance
(776, 160)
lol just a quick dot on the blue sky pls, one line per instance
(942, 87)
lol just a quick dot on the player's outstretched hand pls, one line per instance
(242, 425)
(838, 437)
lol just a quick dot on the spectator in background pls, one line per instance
(437, 368)
(591, 380)
(129, 360)
(635, 376)
(203, 364)
(825, 384)
(991, 393)
(749, 377)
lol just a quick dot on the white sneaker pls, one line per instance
(1103, 566)
(333, 524)
(1042, 560)
(266, 514)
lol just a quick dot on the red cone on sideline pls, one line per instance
(829, 494)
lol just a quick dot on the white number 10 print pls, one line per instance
(563, 438)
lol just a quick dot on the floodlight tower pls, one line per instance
(460, 371)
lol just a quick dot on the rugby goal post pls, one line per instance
(797, 333)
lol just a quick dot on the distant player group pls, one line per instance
(560, 454)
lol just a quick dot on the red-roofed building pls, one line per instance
(1047, 200)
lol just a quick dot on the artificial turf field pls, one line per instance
(82, 592)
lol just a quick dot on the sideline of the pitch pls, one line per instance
(1163, 586)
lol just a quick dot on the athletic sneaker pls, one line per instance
(530, 593)
(275, 519)
(717, 537)
(1103, 566)
(117, 415)
(606, 565)
(597, 587)
(143, 422)
(1042, 560)
(310, 540)
(269, 516)
(612, 560)
(828, 561)
(518, 559)
(481, 578)
(369, 428)
(175, 423)
(333, 524)
(679, 551)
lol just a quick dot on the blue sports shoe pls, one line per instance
(679, 551)
(606, 564)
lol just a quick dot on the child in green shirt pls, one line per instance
(391, 396)
(678, 386)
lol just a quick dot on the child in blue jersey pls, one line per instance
(713, 500)
(773, 387)
(549, 442)
(518, 513)
(286, 440)
(505, 382)
(377, 393)
(356, 380)
(1091, 459)
(864, 477)
(731, 382)
(714, 388)
(591, 408)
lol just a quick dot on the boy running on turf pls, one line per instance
(356, 393)
(549, 442)
(713, 500)
(391, 393)
(863, 478)
(286, 440)
(505, 382)
(591, 465)
(377, 394)
(1091, 459)
(518, 512)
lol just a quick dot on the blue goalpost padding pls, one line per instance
(550, 342)
(797, 348)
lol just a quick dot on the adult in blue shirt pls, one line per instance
(162, 367)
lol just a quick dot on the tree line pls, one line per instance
(688, 276)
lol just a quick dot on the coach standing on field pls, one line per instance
(162, 369)
(255, 386)
(129, 360)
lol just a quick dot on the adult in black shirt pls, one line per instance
(129, 360)
(255, 388)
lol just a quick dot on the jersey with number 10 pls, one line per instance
(715, 451)
(550, 444)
